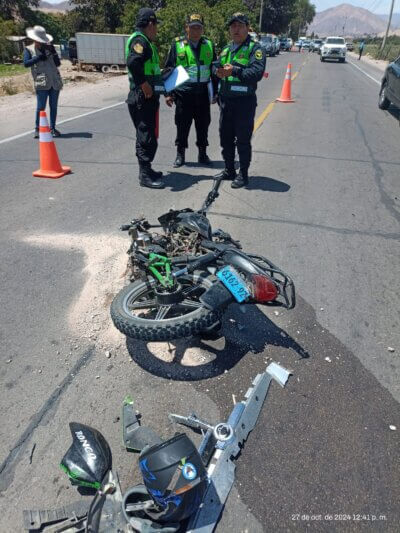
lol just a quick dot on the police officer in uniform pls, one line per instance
(143, 99)
(195, 53)
(241, 65)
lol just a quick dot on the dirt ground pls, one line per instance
(22, 83)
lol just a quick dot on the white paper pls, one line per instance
(177, 77)
(210, 90)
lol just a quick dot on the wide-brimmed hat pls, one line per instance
(38, 33)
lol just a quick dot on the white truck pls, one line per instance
(104, 51)
(334, 48)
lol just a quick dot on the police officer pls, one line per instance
(195, 53)
(143, 99)
(241, 65)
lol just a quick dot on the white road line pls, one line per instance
(363, 71)
(63, 121)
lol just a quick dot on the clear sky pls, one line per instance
(376, 6)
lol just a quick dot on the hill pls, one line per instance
(355, 20)
(61, 7)
(395, 19)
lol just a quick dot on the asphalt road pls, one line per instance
(323, 203)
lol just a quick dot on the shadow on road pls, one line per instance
(77, 134)
(395, 112)
(194, 358)
(263, 183)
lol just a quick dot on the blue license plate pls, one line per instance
(234, 283)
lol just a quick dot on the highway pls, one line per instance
(323, 203)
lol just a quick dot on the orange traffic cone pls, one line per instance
(286, 87)
(50, 166)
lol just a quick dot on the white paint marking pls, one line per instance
(363, 71)
(63, 122)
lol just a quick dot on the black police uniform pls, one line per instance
(238, 111)
(192, 103)
(143, 111)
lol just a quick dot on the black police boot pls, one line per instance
(180, 158)
(149, 178)
(226, 174)
(156, 174)
(241, 180)
(203, 158)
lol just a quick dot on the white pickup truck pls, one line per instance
(334, 48)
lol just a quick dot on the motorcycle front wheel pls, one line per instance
(137, 314)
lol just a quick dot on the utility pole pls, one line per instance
(388, 26)
(261, 14)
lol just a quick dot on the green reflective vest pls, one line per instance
(152, 70)
(232, 86)
(199, 70)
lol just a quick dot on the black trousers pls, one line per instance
(189, 107)
(143, 114)
(236, 124)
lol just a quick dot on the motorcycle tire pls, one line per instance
(191, 323)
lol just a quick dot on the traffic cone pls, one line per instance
(50, 166)
(286, 87)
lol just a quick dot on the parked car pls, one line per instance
(316, 45)
(334, 48)
(350, 46)
(277, 45)
(266, 41)
(390, 86)
(306, 43)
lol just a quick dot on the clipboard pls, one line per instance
(177, 77)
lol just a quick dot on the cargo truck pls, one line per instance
(103, 51)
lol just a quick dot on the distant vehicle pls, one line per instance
(286, 44)
(254, 36)
(306, 43)
(298, 43)
(316, 45)
(104, 51)
(266, 41)
(390, 86)
(350, 46)
(334, 48)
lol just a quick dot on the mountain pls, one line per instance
(61, 7)
(356, 21)
(395, 19)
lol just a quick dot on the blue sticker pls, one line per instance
(189, 472)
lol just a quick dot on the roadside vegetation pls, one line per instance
(372, 47)
(118, 16)
(11, 70)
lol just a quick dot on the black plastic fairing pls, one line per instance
(89, 457)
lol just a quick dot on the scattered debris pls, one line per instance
(328, 359)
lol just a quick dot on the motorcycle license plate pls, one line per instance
(234, 283)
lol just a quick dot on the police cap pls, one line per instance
(194, 20)
(238, 17)
(146, 15)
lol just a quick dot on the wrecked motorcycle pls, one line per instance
(184, 278)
